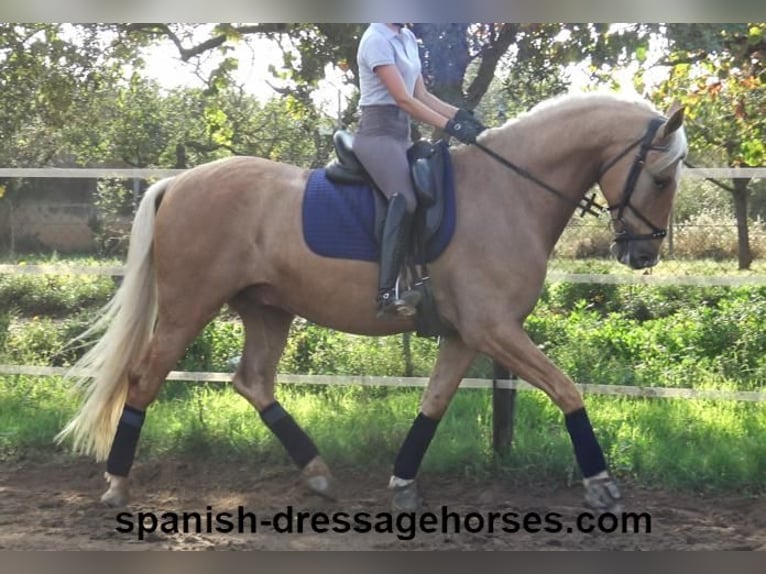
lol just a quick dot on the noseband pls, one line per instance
(588, 205)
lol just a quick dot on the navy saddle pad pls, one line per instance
(339, 219)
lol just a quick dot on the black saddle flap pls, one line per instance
(423, 180)
(427, 168)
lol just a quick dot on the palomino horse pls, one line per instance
(230, 232)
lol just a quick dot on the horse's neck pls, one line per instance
(565, 150)
(566, 159)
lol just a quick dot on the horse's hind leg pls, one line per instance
(165, 349)
(266, 331)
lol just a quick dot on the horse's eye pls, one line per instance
(661, 182)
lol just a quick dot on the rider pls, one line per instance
(392, 92)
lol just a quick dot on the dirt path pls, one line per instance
(49, 506)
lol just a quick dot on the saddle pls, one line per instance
(427, 172)
(427, 169)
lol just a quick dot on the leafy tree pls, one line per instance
(47, 73)
(719, 72)
(460, 60)
(67, 93)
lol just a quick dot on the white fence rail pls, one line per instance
(143, 173)
(553, 276)
(467, 383)
(87, 172)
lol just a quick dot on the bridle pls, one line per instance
(588, 205)
(645, 146)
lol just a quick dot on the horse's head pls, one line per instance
(640, 189)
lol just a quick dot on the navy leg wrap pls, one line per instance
(125, 441)
(414, 447)
(587, 450)
(297, 443)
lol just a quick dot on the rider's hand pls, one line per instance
(463, 115)
(465, 132)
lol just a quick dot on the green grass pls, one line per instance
(698, 445)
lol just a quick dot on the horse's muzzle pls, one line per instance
(635, 254)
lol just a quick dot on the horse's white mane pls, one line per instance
(576, 100)
(573, 103)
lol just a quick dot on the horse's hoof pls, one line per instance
(602, 495)
(117, 495)
(318, 479)
(406, 498)
(115, 499)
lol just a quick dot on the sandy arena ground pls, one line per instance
(55, 506)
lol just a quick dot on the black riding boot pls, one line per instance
(393, 249)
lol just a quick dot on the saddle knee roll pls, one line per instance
(424, 182)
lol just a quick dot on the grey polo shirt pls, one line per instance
(379, 46)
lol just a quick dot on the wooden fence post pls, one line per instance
(503, 403)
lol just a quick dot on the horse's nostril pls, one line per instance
(645, 260)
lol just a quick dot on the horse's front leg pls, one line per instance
(453, 360)
(510, 345)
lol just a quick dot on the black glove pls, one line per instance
(465, 132)
(463, 116)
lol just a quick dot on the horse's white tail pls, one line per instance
(127, 322)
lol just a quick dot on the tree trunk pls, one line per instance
(744, 254)
(11, 220)
(181, 160)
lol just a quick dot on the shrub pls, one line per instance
(5, 323)
(216, 348)
(712, 234)
(36, 341)
(54, 295)
(584, 240)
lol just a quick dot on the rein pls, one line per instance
(589, 205)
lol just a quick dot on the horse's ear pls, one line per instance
(675, 120)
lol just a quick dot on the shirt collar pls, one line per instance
(386, 31)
